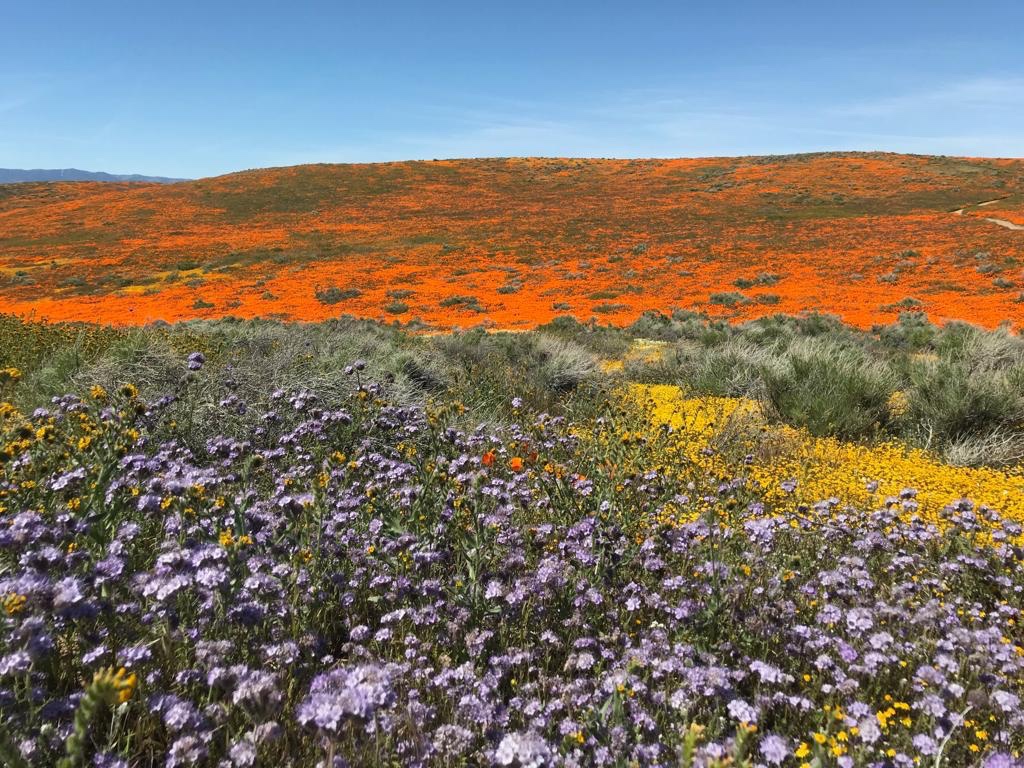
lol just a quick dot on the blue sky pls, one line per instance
(201, 88)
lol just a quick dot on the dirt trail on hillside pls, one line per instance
(960, 211)
(999, 222)
(1007, 224)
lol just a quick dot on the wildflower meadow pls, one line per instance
(219, 554)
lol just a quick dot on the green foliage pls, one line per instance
(973, 387)
(332, 294)
(763, 278)
(608, 308)
(733, 369)
(964, 386)
(911, 333)
(468, 302)
(829, 389)
(728, 299)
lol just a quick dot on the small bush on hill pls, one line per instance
(332, 294)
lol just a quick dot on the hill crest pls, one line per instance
(513, 242)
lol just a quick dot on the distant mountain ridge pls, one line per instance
(16, 175)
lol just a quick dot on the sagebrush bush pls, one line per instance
(728, 298)
(732, 369)
(332, 294)
(138, 357)
(949, 401)
(970, 393)
(994, 448)
(978, 349)
(911, 333)
(829, 389)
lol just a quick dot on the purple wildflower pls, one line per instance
(774, 748)
(346, 693)
(524, 750)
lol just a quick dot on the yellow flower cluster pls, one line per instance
(643, 351)
(14, 603)
(47, 445)
(116, 687)
(862, 476)
(228, 540)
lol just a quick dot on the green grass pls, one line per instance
(964, 386)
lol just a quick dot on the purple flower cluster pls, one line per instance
(351, 581)
(345, 694)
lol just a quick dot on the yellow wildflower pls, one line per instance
(14, 603)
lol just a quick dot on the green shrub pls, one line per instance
(829, 388)
(564, 366)
(728, 299)
(997, 448)
(912, 332)
(425, 369)
(949, 401)
(469, 302)
(604, 340)
(332, 294)
(763, 278)
(608, 307)
(731, 369)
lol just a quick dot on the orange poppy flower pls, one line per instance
(487, 459)
(515, 463)
(822, 232)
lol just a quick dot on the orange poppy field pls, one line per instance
(512, 243)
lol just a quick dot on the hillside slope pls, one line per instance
(514, 242)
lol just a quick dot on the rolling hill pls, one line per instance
(514, 242)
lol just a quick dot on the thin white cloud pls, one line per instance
(984, 93)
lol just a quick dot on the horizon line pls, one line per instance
(641, 158)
